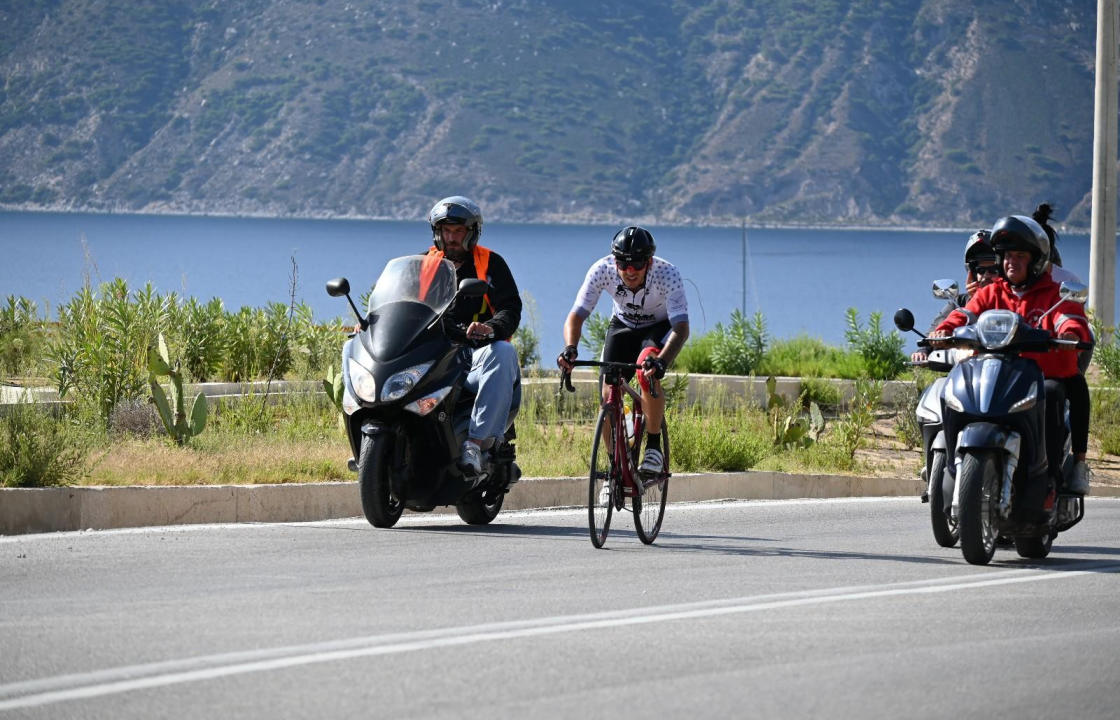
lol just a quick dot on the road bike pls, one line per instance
(614, 482)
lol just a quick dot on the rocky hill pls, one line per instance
(945, 112)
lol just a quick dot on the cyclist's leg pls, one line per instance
(653, 407)
(621, 345)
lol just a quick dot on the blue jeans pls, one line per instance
(495, 379)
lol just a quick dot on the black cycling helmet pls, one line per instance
(1019, 232)
(633, 244)
(978, 248)
(456, 210)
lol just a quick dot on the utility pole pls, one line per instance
(1102, 243)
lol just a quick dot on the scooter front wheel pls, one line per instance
(979, 477)
(378, 504)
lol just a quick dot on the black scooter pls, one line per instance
(406, 409)
(993, 407)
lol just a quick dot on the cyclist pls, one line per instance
(495, 375)
(648, 326)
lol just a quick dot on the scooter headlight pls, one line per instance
(362, 381)
(996, 328)
(403, 382)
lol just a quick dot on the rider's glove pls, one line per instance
(657, 364)
(570, 353)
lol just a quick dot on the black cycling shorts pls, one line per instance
(624, 344)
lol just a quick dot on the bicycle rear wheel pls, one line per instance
(602, 483)
(649, 505)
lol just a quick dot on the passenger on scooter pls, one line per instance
(495, 375)
(981, 267)
(1076, 386)
(1026, 287)
(649, 322)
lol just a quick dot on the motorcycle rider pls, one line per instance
(495, 374)
(981, 267)
(649, 322)
(1026, 287)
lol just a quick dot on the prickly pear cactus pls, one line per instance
(180, 423)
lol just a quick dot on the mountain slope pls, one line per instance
(684, 111)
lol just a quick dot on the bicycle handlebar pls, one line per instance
(566, 376)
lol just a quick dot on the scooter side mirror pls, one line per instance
(473, 288)
(338, 287)
(946, 289)
(904, 320)
(1074, 291)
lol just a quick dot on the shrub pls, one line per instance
(738, 349)
(854, 427)
(1107, 353)
(198, 330)
(38, 450)
(720, 442)
(881, 353)
(21, 336)
(102, 348)
(804, 356)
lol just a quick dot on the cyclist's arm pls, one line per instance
(674, 342)
(573, 328)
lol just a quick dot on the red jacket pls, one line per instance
(1038, 298)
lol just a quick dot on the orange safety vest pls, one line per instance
(481, 265)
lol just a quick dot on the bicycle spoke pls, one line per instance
(649, 507)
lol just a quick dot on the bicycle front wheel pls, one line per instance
(602, 484)
(649, 505)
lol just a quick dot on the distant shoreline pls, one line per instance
(545, 220)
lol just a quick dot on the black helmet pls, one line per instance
(633, 244)
(1019, 232)
(456, 210)
(1042, 215)
(978, 248)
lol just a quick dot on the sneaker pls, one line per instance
(470, 459)
(652, 462)
(1079, 480)
(605, 493)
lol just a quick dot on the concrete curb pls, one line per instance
(35, 510)
(38, 510)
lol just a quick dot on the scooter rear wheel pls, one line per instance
(480, 508)
(1034, 548)
(945, 529)
(378, 504)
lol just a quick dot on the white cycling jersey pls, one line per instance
(661, 297)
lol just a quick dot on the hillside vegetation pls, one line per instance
(947, 112)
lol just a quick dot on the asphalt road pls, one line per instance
(786, 609)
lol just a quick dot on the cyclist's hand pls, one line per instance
(564, 359)
(654, 367)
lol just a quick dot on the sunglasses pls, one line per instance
(632, 264)
(985, 270)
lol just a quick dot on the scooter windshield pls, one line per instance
(426, 279)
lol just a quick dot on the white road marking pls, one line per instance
(35, 693)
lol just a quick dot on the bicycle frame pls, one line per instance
(622, 453)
